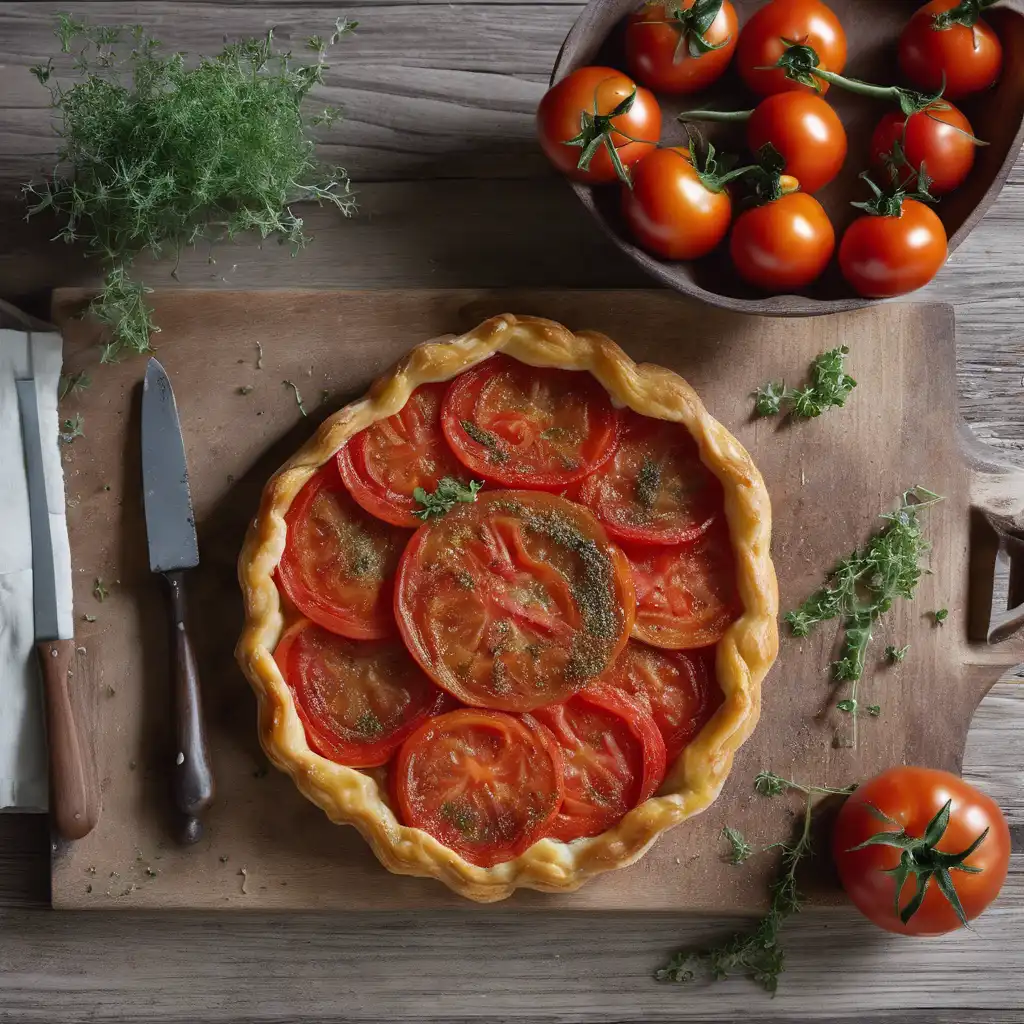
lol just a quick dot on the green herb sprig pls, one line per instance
(829, 387)
(448, 492)
(757, 954)
(864, 585)
(739, 848)
(159, 152)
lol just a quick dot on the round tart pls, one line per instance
(509, 613)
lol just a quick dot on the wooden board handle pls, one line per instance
(193, 775)
(72, 812)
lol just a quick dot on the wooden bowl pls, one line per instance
(872, 28)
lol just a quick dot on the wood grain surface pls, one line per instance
(439, 137)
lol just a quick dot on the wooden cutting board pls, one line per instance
(829, 479)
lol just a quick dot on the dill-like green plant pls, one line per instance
(158, 152)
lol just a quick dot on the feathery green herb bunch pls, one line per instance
(156, 154)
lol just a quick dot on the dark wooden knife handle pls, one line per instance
(72, 812)
(192, 773)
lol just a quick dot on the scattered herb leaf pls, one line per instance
(72, 384)
(739, 848)
(298, 396)
(940, 616)
(444, 497)
(829, 387)
(72, 428)
(99, 590)
(864, 585)
(158, 151)
(895, 654)
(757, 954)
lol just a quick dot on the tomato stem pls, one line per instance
(967, 13)
(715, 115)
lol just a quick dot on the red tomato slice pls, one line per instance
(484, 784)
(358, 699)
(614, 759)
(383, 464)
(339, 562)
(521, 426)
(514, 601)
(685, 596)
(677, 688)
(655, 489)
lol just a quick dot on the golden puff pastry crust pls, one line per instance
(744, 655)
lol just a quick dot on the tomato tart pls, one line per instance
(509, 613)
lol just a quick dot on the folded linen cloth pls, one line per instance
(26, 352)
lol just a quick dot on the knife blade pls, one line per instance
(174, 548)
(73, 806)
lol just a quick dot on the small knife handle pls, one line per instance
(72, 811)
(193, 774)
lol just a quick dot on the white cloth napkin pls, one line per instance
(23, 776)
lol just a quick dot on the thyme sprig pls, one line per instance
(444, 497)
(829, 387)
(757, 954)
(863, 586)
(159, 152)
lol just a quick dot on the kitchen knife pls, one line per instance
(173, 548)
(73, 807)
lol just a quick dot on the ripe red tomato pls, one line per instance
(486, 785)
(358, 699)
(678, 688)
(383, 464)
(807, 133)
(597, 91)
(914, 799)
(964, 58)
(655, 489)
(515, 601)
(784, 245)
(613, 757)
(523, 426)
(941, 139)
(669, 209)
(764, 40)
(885, 256)
(338, 565)
(661, 40)
(685, 596)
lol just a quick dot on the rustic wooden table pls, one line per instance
(439, 136)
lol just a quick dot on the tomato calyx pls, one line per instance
(596, 130)
(967, 13)
(714, 169)
(919, 858)
(766, 180)
(693, 23)
(800, 63)
(889, 202)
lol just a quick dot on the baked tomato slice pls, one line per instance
(686, 595)
(383, 464)
(514, 601)
(358, 699)
(483, 783)
(677, 688)
(339, 562)
(521, 426)
(654, 489)
(613, 756)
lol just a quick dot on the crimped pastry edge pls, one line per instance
(743, 657)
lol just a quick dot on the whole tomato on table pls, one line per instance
(939, 137)
(898, 246)
(596, 123)
(919, 851)
(770, 31)
(681, 46)
(948, 45)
